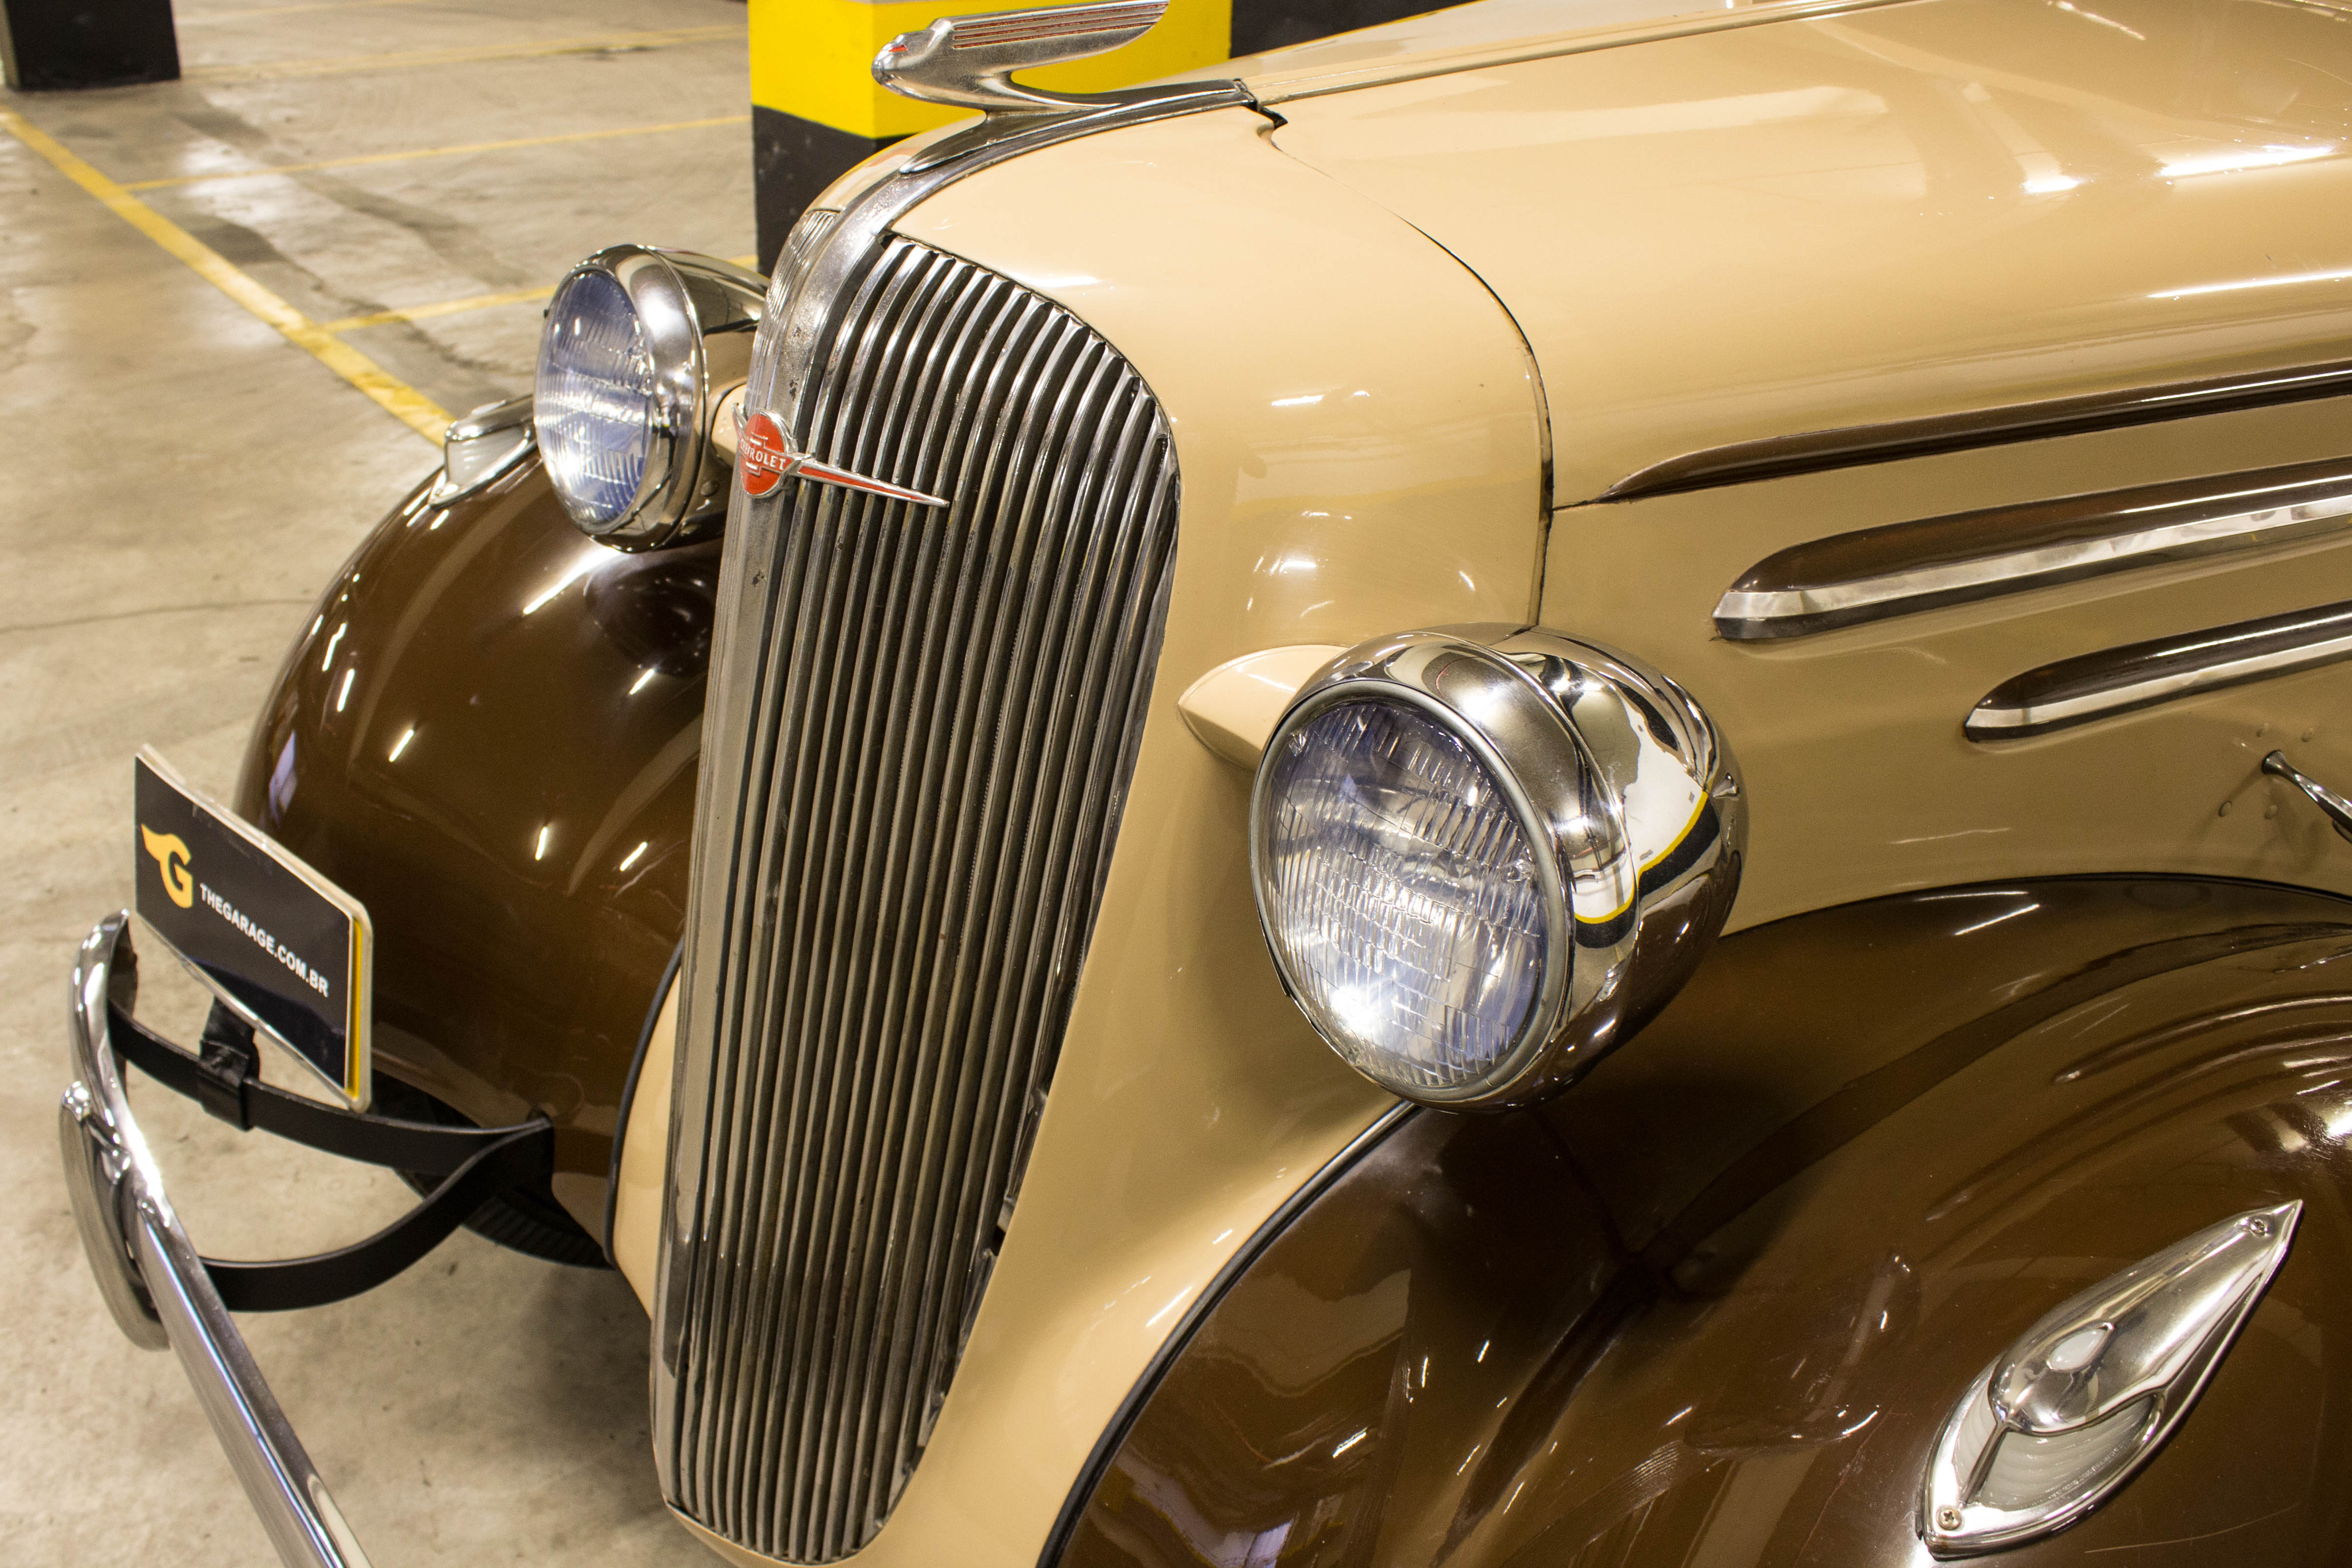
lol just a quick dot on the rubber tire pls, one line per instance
(520, 1218)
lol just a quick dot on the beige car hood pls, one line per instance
(1838, 218)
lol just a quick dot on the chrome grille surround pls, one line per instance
(920, 734)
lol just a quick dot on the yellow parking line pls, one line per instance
(446, 307)
(456, 307)
(190, 19)
(403, 401)
(434, 153)
(594, 43)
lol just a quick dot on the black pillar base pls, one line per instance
(52, 44)
(1262, 25)
(792, 160)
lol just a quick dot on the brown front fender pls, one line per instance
(1712, 1305)
(489, 734)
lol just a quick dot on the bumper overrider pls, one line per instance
(163, 1292)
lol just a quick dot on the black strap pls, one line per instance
(473, 1162)
(516, 1154)
(228, 1059)
(425, 1147)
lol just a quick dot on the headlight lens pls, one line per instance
(594, 403)
(1402, 895)
(639, 346)
(1484, 856)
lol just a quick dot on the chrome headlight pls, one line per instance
(638, 349)
(1483, 857)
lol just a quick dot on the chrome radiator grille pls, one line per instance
(944, 708)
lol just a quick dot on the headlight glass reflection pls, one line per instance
(594, 402)
(1401, 894)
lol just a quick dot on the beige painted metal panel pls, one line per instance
(1493, 32)
(644, 1158)
(1347, 468)
(1358, 427)
(1893, 212)
(1234, 708)
(1859, 780)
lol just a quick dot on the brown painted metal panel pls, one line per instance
(1711, 1305)
(550, 694)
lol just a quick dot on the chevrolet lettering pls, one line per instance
(767, 459)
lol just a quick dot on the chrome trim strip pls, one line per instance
(1904, 568)
(1777, 456)
(2117, 680)
(158, 1287)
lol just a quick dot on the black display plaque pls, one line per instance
(284, 948)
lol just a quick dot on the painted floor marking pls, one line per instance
(440, 308)
(190, 18)
(399, 60)
(458, 307)
(363, 158)
(396, 396)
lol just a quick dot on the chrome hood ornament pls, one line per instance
(766, 459)
(969, 61)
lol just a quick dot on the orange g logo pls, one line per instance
(171, 854)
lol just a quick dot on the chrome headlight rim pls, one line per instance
(1510, 695)
(680, 299)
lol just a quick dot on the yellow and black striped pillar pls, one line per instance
(816, 108)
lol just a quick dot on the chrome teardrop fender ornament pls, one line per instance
(2074, 1408)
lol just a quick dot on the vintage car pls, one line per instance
(1545, 786)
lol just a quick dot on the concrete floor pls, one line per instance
(180, 479)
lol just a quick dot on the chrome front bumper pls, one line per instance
(157, 1285)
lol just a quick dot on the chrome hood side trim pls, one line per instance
(2117, 680)
(1907, 567)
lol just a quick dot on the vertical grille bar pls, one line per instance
(945, 706)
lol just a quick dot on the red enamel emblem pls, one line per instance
(762, 455)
